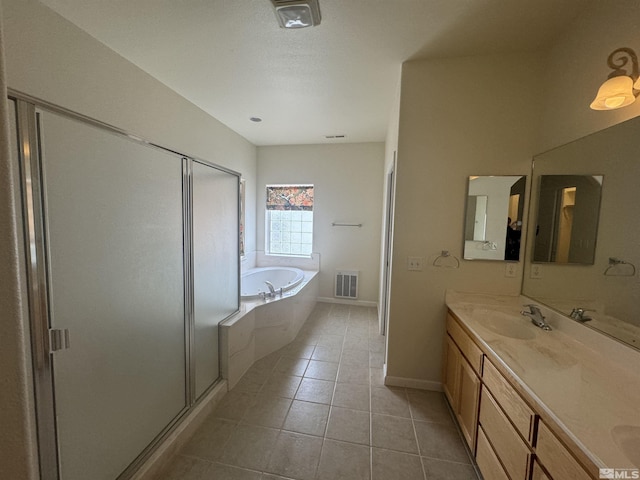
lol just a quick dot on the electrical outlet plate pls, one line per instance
(536, 271)
(511, 270)
(415, 263)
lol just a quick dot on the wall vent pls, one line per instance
(346, 284)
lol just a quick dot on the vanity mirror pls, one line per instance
(493, 219)
(599, 284)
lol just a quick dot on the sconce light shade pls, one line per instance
(617, 92)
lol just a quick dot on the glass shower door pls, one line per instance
(215, 264)
(114, 236)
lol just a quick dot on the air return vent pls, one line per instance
(346, 284)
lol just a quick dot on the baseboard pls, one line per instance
(163, 453)
(357, 303)
(412, 383)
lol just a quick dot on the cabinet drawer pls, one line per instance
(538, 473)
(487, 461)
(512, 404)
(469, 349)
(507, 444)
(556, 458)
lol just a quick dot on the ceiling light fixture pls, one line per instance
(255, 119)
(297, 13)
(622, 87)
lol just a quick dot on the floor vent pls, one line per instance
(346, 284)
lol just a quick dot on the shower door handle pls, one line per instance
(58, 339)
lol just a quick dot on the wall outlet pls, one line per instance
(511, 270)
(536, 271)
(415, 263)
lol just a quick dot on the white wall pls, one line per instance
(458, 117)
(347, 181)
(49, 58)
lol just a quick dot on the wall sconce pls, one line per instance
(622, 88)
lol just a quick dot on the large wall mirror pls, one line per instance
(493, 219)
(593, 278)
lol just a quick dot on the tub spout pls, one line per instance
(272, 290)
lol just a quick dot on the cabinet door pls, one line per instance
(451, 362)
(468, 396)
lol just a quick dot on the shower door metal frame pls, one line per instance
(34, 224)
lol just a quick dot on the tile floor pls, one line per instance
(317, 410)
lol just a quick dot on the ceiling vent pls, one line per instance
(297, 13)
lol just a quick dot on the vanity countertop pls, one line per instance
(588, 384)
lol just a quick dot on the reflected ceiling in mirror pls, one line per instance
(611, 302)
(493, 218)
(567, 219)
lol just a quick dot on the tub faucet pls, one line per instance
(272, 290)
(536, 317)
(578, 314)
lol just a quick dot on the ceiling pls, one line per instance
(230, 58)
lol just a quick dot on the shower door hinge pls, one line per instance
(58, 339)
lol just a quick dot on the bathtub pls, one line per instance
(253, 282)
(263, 326)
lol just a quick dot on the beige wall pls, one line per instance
(348, 188)
(484, 116)
(458, 117)
(49, 58)
(577, 65)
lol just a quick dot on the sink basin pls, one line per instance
(627, 438)
(507, 325)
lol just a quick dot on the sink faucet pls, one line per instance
(578, 314)
(536, 317)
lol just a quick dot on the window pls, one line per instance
(289, 220)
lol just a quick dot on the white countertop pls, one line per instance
(587, 383)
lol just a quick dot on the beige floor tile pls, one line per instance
(377, 377)
(266, 364)
(376, 344)
(327, 354)
(355, 330)
(209, 440)
(281, 385)
(186, 468)
(429, 407)
(227, 472)
(292, 366)
(250, 447)
(298, 349)
(389, 465)
(376, 359)
(234, 405)
(355, 357)
(356, 343)
(307, 417)
(267, 411)
(251, 382)
(339, 311)
(312, 390)
(441, 441)
(349, 395)
(443, 470)
(349, 425)
(390, 401)
(322, 370)
(353, 374)
(344, 461)
(307, 337)
(329, 340)
(393, 433)
(295, 456)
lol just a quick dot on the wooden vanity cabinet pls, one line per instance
(505, 434)
(556, 458)
(461, 380)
